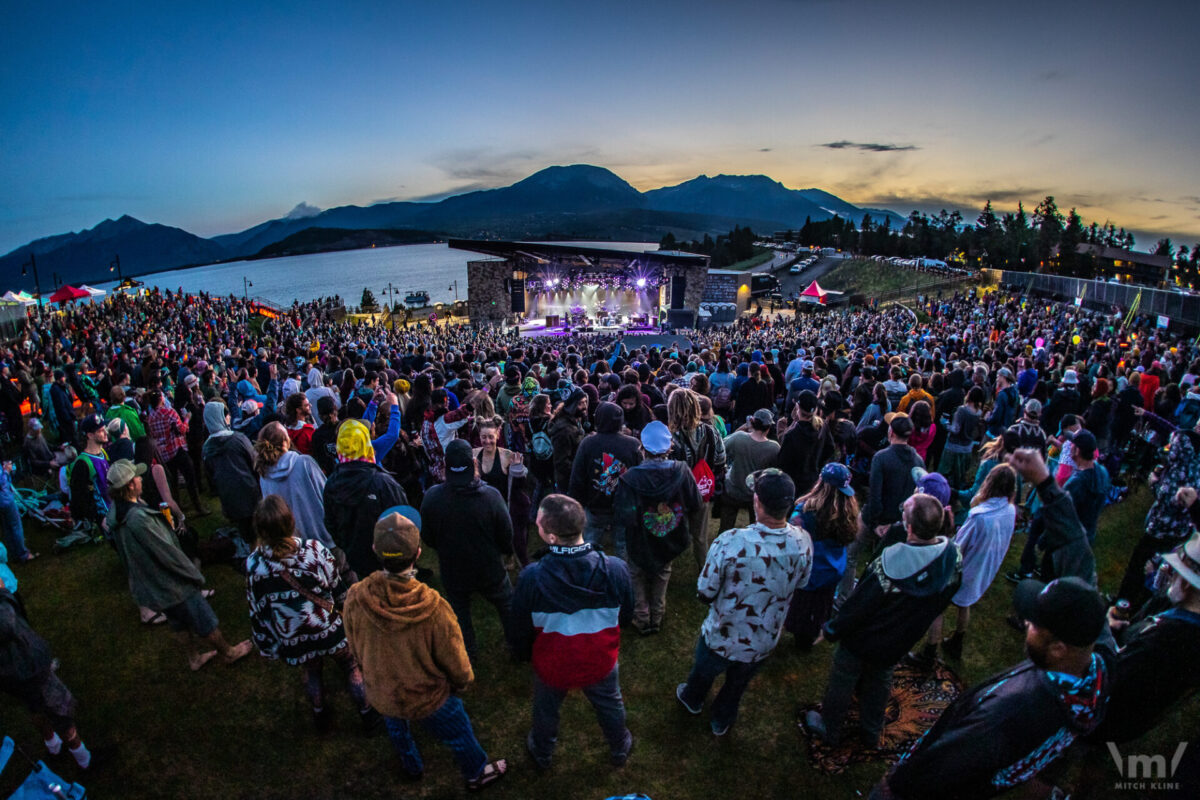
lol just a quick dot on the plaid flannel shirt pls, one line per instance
(168, 430)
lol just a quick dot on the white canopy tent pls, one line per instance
(94, 292)
(20, 297)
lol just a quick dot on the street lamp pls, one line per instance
(455, 288)
(116, 262)
(246, 284)
(37, 284)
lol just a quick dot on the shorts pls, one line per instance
(50, 698)
(193, 614)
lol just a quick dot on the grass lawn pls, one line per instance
(872, 278)
(245, 731)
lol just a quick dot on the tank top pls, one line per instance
(494, 477)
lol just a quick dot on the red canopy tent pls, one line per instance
(814, 294)
(67, 293)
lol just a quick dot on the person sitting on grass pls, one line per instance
(414, 663)
(161, 577)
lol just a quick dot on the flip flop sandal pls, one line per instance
(491, 773)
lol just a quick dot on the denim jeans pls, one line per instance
(597, 525)
(10, 517)
(606, 700)
(499, 595)
(449, 724)
(874, 685)
(706, 666)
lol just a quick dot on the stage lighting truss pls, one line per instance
(570, 280)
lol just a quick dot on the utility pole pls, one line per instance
(37, 284)
(246, 284)
(390, 291)
(455, 288)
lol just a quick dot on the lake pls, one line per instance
(429, 267)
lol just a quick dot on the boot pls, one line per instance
(922, 661)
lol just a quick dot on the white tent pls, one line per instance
(95, 293)
(20, 297)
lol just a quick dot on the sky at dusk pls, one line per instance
(216, 116)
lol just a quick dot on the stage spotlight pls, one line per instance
(641, 283)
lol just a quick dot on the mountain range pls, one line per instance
(568, 202)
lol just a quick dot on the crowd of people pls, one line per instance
(867, 471)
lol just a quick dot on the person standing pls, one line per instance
(161, 577)
(747, 583)
(652, 504)
(169, 432)
(567, 613)
(1006, 730)
(830, 515)
(602, 458)
(696, 443)
(467, 523)
(405, 637)
(355, 495)
(747, 450)
(228, 459)
(292, 585)
(87, 475)
(295, 477)
(901, 594)
(566, 433)
(801, 444)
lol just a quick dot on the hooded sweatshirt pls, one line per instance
(356, 495)
(653, 501)
(602, 458)
(409, 645)
(1002, 732)
(1064, 544)
(299, 481)
(902, 592)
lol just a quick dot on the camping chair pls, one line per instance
(41, 783)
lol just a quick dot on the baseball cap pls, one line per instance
(90, 424)
(123, 471)
(1070, 608)
(900, 423)
(1070, 377)
(1185, 560)
(763, 417)
(933, 484)
(250, 406)
(460, 467)
(396, 536)
(116, 426)
(807, 400)
(35, 424)
(838, 476)
(774, 489)
(1033, 407)
(354, 440)
(1084, 443)
(656, 438)
(1005, 373)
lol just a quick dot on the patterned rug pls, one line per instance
(918, 699)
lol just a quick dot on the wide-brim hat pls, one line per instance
(1185, 560)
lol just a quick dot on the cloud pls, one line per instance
(476, 168)
(303, 210)
(764, 149)
(869, 147)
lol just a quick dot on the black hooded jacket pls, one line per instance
(470, 528)
(356, 494)
(601, 459)
(653, 501)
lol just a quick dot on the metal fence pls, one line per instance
(1183, 310)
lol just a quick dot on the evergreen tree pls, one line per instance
(668, 242)
(368, 303)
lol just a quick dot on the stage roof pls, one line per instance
(552, 251)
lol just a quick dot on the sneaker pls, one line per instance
(679, 696)
(537, 762)
(102, 756)
(923, 660)
(1016, 576)
(719, 730)
(814, 723)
